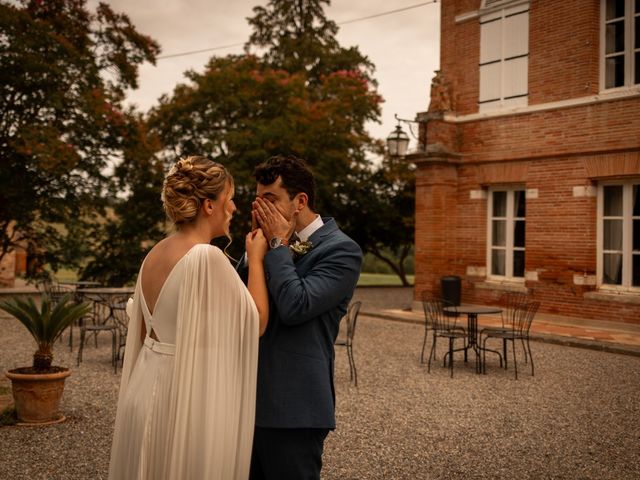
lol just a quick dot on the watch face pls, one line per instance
(275, 242)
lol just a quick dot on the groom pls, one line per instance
(311, 280)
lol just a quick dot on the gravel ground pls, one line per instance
(579, 417)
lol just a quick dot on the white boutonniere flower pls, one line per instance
(300, 249)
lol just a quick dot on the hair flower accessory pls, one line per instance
(300, 249)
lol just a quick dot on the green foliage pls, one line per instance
(378, 210)
(80, 177)
(45, 324)
(306, 96)
(136, 219)
(298, 37)
(8, 417)
(63, 74)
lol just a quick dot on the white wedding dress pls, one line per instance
(187, 401)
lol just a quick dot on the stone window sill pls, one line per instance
(503, 286)
(620, 297)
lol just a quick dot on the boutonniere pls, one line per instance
(300, 249)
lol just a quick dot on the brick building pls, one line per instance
(528, 178)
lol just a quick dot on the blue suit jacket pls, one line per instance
(308, 297)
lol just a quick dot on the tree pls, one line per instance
(379, 205)
(306, 96)
(299, 38)
(63, 74)
(135, 220)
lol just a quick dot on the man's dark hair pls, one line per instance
(294, 172)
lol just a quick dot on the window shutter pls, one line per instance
(490, 41)
(516, 34)
(490, 82)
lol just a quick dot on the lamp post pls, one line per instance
(398, 140)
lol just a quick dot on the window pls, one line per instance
(621, 43)
(506, 245)
(619, 234)
(504, 57)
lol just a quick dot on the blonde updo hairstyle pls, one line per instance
(189, 182)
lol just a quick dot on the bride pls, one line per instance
(187, 396)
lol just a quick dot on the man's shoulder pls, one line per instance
(340, 240)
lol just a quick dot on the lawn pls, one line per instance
(381, 279)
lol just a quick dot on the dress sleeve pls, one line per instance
(132, 347)
(132, 350)
(214, 379)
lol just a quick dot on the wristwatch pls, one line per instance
(275, 242)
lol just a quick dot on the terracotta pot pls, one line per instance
(37, 395)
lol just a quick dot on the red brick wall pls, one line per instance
(460, 54)
(550, 151)
(563, 49)
(605, 126)
(451, 233)
(435, 215)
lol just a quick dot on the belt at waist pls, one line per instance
(159, 347)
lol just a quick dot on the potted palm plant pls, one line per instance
(37, 390)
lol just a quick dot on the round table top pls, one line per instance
(106, 290)
(80, 283)
(474, 309)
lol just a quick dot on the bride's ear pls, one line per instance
(207, 206)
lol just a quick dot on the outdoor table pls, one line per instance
(472, 312)
(104, 296)
(76, 285)
(80, 284)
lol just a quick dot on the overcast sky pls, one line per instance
(404, 46)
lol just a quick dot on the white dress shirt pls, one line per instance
(307, 231)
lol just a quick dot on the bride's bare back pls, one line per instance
(159, 264)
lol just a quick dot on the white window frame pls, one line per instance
(510, 221)
(505, 61)
(629, 48)
(627, 236)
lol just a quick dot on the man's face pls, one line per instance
(278, 196)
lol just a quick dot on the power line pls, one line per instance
(222, 47)
(390, 12)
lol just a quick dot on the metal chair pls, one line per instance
(523, 316)
(100, 316)
(351, 319)
(426, 297)
(56, 292)
(444, 326)
(510, 302)
(119, 307)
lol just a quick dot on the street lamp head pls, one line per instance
(397, 142)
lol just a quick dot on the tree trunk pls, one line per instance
(397, 267)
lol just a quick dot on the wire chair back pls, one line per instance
(56, 292)
(440, 319)
(510, 302)
(523, 317)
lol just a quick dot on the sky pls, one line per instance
(403, 46)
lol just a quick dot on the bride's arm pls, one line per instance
(256, 245)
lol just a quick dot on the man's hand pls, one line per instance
(272, 222)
